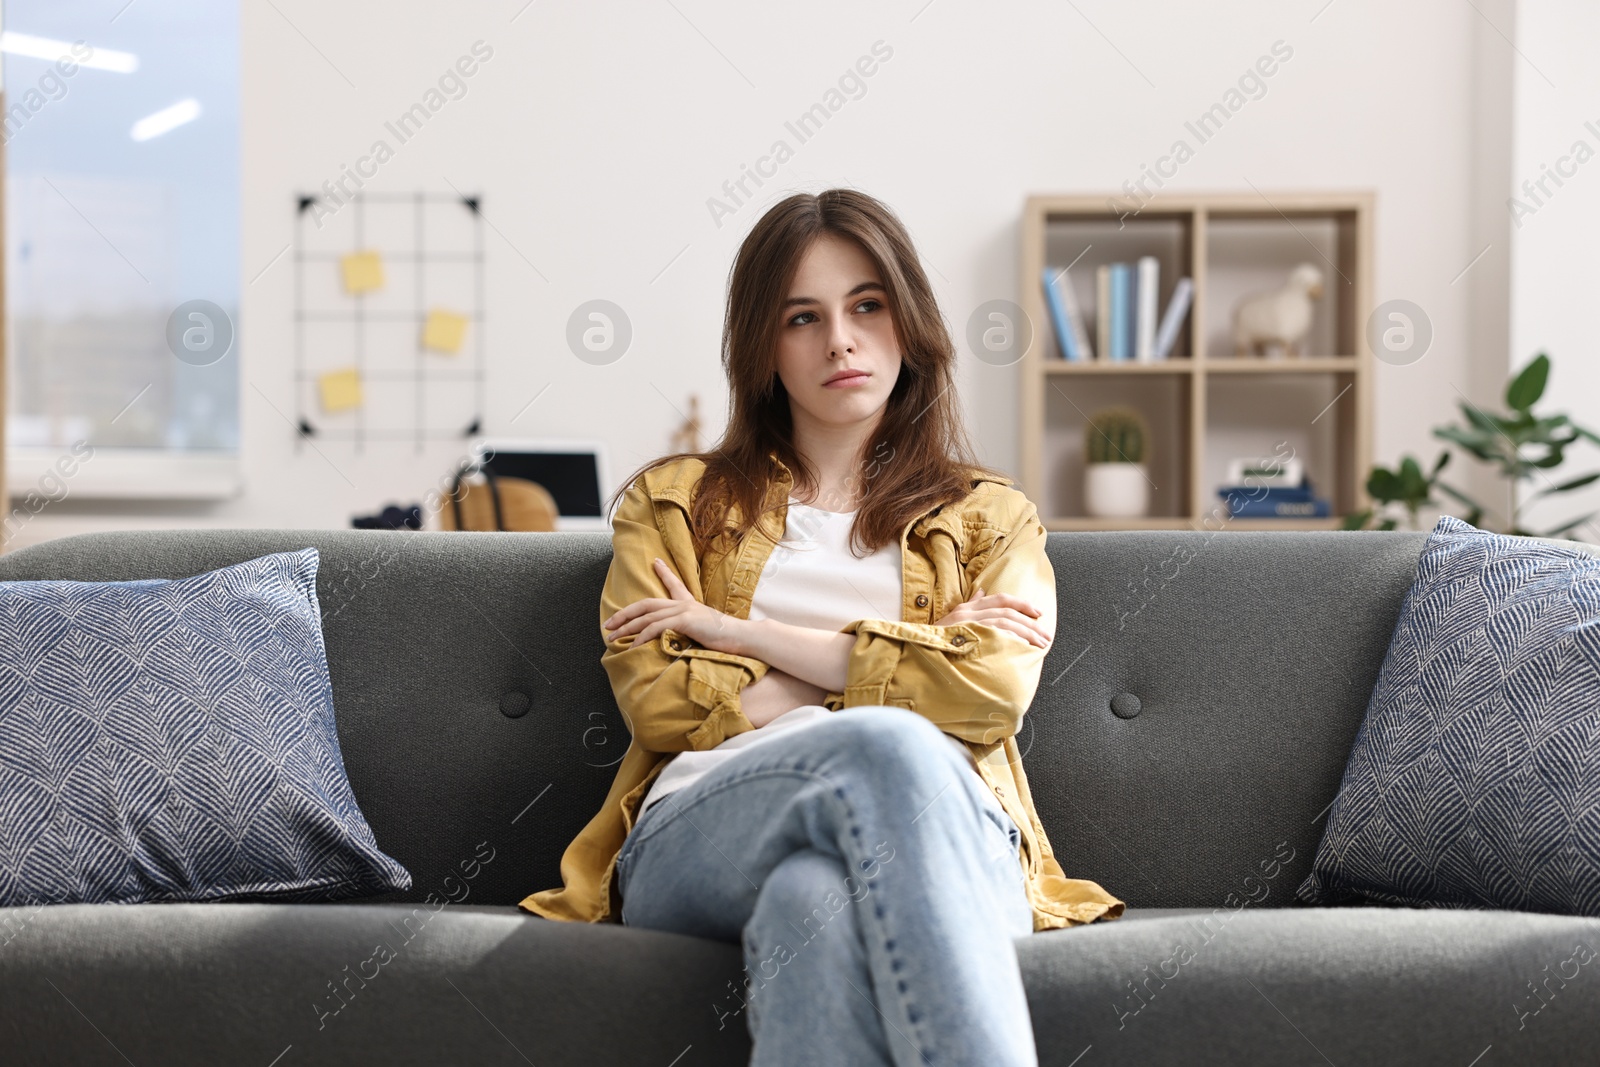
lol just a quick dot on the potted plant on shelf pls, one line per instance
(1115, 483)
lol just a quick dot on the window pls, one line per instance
(122, 242)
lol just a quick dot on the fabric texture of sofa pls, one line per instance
(1187, 738)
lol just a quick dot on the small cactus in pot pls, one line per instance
(1115, 435)
(1115, 484)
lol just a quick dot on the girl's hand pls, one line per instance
(1003, 611)
(679, 611)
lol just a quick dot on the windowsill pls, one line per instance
(123, 474)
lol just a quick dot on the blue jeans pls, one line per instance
(874, 883)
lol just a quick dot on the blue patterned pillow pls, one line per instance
(1474, 781)
(174, 740)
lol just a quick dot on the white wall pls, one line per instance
(599, 131)
(1556, 247)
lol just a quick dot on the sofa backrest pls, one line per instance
(472, 707)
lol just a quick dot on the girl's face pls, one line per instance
(836, 319)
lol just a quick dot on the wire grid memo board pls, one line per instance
(431, 249)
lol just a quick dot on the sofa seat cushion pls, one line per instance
(371, 983)
(1312, 985)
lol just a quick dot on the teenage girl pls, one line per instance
(824, 633)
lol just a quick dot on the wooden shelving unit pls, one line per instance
(1204, 404)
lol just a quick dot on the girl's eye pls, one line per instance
(796, 321)
(869, 305)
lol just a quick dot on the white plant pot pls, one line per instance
(1116, 490)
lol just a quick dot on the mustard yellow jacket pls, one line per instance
(973, 680)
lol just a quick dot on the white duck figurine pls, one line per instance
(1279, 319)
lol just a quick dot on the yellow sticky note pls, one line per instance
(341, 390)
(363, 272)
(443, 331)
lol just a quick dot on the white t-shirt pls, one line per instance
(811, 579)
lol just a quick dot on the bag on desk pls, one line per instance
(497, 503)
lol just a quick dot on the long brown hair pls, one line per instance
(920, 456)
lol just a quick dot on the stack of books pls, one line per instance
(1274, 501)
(1274, 488)
(1126, 328)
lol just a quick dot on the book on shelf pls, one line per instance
(1172, 320)
(1146, 287)
(1066, 316)
(1278, 509)
(1102, 311)
(1295, 494)
(1122, 282)
(1059, 319)
(1130, 311)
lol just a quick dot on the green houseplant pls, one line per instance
(1521, 446)
(1405, 486)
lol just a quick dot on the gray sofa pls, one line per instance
(1187, 737)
